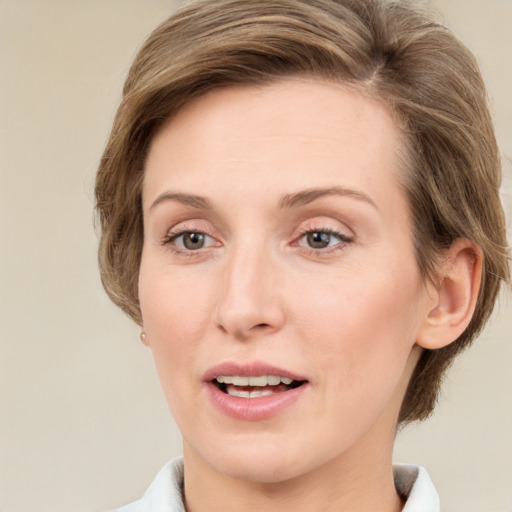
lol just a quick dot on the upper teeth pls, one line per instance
(262, 380)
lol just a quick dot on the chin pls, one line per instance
(264, 470)
(265, 461)
(248, 458)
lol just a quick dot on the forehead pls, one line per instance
(293, 133)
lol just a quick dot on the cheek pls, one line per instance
(172, 302)
(176, 312)
(174, 324)
(364, 324)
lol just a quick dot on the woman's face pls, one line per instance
(279, 290)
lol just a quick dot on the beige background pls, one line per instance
(84, 426)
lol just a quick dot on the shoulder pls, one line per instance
(415, 487)
(165, 494)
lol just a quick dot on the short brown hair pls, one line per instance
(388, 49)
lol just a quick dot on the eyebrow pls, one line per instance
(301, 198)
(198, 202)
(308, 196)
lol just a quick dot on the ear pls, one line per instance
(454, 298)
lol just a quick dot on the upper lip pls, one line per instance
(253, 369)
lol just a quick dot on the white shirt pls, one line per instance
(165, 494)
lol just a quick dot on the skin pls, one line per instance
(349, 317)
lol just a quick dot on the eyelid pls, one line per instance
(323, 224)
(174, 235)
(333, 232)
(182, 228)
(190, 225)
(327, 223)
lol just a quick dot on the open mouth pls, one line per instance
(255, 387)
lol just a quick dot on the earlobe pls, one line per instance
(455, 297)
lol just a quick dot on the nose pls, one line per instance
(250, 298)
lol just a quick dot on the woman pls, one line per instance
(299, 207)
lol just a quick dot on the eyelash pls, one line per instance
(327, 251)
(169, 239)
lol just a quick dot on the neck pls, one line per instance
(358, 481)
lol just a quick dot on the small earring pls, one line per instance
(143, 337)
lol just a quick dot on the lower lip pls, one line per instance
(253, 409)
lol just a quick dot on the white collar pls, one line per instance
(414, 485)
